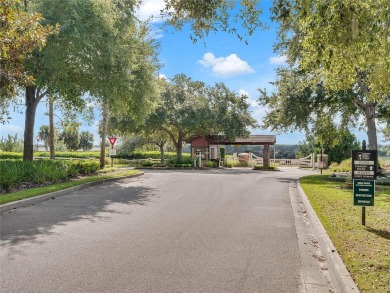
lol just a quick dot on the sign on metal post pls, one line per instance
(363, 192)
(112, 152)
(112, 140)
(364, 164)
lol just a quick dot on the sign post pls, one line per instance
(364, 166)
(112, 151)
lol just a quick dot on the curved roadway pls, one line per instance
(166, 231)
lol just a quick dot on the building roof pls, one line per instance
(250, 140)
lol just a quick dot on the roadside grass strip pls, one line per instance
(364, 249)
(27, 193)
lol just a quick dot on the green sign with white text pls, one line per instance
(363, 192)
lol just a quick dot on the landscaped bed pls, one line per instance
(19, 180)
(364, 249)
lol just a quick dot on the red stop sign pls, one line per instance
(112, 140)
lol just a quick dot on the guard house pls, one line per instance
(207, 146)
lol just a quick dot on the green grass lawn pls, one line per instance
(364, 249)
(27, 193)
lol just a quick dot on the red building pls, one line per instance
(208, 146)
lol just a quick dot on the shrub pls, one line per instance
(147, 163)
(185, 160)
(15, 172)
(210, 164)
(79, 155)
(344, 166)
(10, 155)
(11, 174)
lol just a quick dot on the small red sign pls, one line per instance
(112, 140)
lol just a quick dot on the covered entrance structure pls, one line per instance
(208, 146)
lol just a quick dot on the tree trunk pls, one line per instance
(369, 111)
(104, 134)
(179, 147)
(266, 156)
(51, 128)
(31, 107)
(162, 153)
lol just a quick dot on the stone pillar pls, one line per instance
(266, 156)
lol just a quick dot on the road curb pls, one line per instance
(340, 276)
(33, 200)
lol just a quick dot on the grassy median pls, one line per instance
(364, 249)
(27, 193)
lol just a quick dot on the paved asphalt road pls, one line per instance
(166, 231)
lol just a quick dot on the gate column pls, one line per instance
(266, 156)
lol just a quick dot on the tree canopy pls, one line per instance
(100, 49)
(20, 34)
(189, 108)
(214, 15)
(342, 43)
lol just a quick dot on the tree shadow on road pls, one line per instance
(93, 204)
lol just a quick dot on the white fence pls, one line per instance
(253, 160)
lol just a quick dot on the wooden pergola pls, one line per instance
(209, 144)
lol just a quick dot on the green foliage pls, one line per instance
(337, 146)
(191, 108)
(129, 145)
(222, 152)
(331, 75)
(147, 163)
(210, 16)
(340, 145)
(86, 140)
(83, 167)
(210, 164)
(44, 135)
(27, 193)
(20, 34)
(70, 136)
(10, 155)
(151, 155)
(81, 155)
(14, 172)
(11, 144)
(358, 52)
(344, 166)
(185, 160)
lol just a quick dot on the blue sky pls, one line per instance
(220, 58)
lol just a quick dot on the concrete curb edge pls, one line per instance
(340, 276)
(32, 200)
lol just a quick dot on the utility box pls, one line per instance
(324, 163)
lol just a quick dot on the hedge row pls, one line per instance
(96, 155)
(15, 172)
(151, 155)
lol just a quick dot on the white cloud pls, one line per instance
(162, 76)
(228, 66)
(278, 60)
(12, 130)
(151, 8)
(242, 92)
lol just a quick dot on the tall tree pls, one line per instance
(86, 140)
(70, 136)
(44, 135)
(83, 56)
(189, 108)
(342, 44)
(132, 76)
